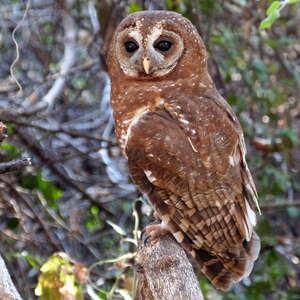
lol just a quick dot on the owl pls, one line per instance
(184, 145)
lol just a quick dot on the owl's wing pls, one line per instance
(189, 160)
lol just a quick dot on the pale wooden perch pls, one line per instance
(7, 288)
(164, 272)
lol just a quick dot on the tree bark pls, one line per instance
(164, 272)
(7, 288)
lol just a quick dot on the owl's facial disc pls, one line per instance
(147, 55)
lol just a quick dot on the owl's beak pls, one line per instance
(146, 65)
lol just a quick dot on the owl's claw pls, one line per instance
(154, 231)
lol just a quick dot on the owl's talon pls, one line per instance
(145, 235)
(154, 231)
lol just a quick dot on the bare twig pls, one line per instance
(280, 205)
(58, 129)
(67, 61)
(12, 72)
(14, 165)
(56, 170)
(19, 195)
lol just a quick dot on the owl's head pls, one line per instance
(151, 44)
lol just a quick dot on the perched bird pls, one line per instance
(184, 144)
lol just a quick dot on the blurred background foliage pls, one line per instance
(76, 198)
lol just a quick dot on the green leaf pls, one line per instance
(94, 210)
(92, 223)
(47, 188)
(293, 1)
(207, 6)
(12, 152)
(218, 39)
(32, 260)
(102, 294)
(134, 7)
(290, 137)
(13, 223)
(267, 22)
(273, 7)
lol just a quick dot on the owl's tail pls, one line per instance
(225, 270)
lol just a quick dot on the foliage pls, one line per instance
(134, 7)
(47, 188)
(57, 280)
(273, 12)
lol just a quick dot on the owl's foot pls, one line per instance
(154, 231)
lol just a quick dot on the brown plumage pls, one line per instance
(184, 145)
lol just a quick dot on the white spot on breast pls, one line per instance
(185, 121)
(137, 116)
(231, 160)
(127, 121)
(149, 175)
(217, 203)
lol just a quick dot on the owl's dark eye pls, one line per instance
(131, 46)
(163, 45)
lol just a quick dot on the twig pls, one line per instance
(14, 165)
(280, 204)
(67, 61)
(51, 165)
(58, 129)
(18, 195)
(12, 73)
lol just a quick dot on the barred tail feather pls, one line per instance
(225, 269)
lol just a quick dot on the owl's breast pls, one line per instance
(126, 120)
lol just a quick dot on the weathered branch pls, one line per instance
(164, 272)
(70, 32)
(7, 288)
(48, 161)
(14, 165)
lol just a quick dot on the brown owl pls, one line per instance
(184, 144)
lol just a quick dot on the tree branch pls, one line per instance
(70, 32)
(14, 165)
(164, 272)
(7, 288)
